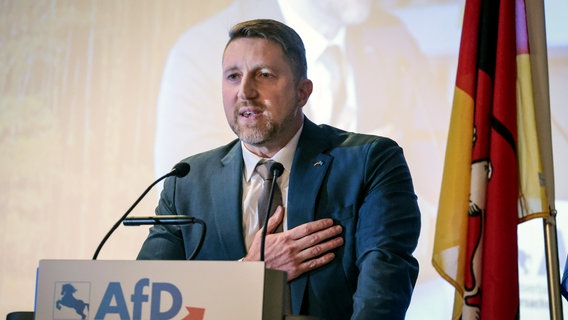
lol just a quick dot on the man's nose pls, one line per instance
(247, 89)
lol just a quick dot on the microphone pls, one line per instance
(179, 170)
(161, 219)
(276, 169)
(170, 220)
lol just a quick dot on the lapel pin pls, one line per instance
(318, 163)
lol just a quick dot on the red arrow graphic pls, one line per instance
(194, 313)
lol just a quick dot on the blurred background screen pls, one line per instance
(97, 98)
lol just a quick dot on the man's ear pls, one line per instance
(305, 88)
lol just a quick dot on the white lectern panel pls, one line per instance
(187, 290)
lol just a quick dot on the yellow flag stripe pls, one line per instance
(532, 194)
(448, 257)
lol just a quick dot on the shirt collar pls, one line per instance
(285, 156)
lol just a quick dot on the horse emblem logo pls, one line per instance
(69, 303)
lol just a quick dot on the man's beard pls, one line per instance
(256, 134)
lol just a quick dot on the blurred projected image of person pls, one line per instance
(347, 219)
(370, 75)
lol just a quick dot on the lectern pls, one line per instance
(188, 290)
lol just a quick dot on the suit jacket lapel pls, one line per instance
(308, 171)
(228, 220)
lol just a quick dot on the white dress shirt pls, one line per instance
(252, 185)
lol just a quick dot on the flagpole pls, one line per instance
(539, 61)
(552, 266)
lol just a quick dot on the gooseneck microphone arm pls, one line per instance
(170, 220)
(276, 169)
(179, 170)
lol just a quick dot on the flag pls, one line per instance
(492, 176)
(533, 199)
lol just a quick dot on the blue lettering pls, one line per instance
(138, 298)
(113, 302)
(113, 291)
(157, 289)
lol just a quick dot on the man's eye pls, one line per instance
(265, 75)
(232, 76)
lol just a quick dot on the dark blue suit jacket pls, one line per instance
(363, 183)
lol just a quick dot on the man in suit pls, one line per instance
(349, 214)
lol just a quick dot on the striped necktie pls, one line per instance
(263, 169)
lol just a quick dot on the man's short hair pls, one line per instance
(277, 32)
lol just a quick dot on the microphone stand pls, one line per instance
(276, 172)
(117, 223)
(170, 220)
(179, 170)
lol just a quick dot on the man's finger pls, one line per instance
(320, 236)
(309, 228)
(320, 249)
(275, 220)
(311, 265)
